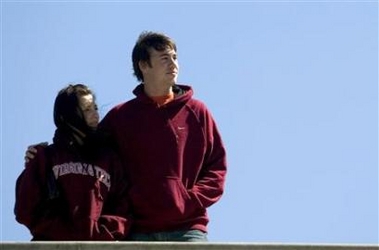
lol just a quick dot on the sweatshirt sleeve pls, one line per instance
(29, 190)
(108, 127)
(31, 208)
(210, 185)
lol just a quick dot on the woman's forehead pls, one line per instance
(86, 100)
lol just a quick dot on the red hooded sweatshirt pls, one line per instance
(174, 157)
(93, 203)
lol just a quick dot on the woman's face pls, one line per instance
(89, 109)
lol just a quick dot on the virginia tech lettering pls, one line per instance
(83, 169)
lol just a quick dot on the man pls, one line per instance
(173, 154)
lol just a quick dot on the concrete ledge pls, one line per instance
(176, 246)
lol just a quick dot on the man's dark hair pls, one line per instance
(141, 50)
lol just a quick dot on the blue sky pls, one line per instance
(293, 86)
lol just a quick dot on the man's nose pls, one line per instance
(173, 64)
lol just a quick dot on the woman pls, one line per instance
(74, 189)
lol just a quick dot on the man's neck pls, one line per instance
(157, 90)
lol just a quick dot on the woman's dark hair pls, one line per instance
(145, 42)
(67, 109)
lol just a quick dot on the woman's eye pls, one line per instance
(94, 108)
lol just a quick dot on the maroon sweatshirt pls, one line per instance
(174, 157)
(94, 205)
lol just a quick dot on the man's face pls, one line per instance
(164, 67)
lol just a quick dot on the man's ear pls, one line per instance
(143, 65)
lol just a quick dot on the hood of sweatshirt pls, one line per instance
(183, 93)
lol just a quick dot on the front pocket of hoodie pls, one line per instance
(165, 199)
